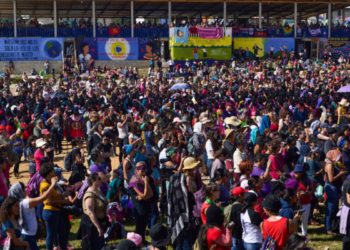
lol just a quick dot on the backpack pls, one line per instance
(270, 243)
(33, 186)
(228, 210)
(68, 162)
(190, 147)
(115, 212)
(199, 197)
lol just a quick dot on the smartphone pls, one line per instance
(230, 224)
(300, 210)
(183, 153)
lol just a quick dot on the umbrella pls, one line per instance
(59, 95)
(180, 86)
(344, 89)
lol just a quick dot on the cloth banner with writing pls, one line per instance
(315, 32)
(260, 33)
(210, 33)
(114, 31)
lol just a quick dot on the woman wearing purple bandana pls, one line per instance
(141, 193)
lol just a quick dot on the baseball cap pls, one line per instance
(238, 190)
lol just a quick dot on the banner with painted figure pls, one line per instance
(211, 33)
(87, 50)
(31, 49)
(181, 35)
(199, 48)
(337, 47)
(148, 49)
(263, 47)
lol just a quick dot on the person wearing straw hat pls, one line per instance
(190, 165)
(229, 142)
(341, 110)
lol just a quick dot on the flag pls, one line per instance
(287, 31)
(114, 31)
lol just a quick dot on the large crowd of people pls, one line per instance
(234, 155)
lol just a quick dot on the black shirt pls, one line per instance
(75, 151)
(107, 147)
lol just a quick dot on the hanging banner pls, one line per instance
(118, 49)
(315, 32)
(192, 30)
(287, 31)
(235, 30)
(244, 31)
(181, 35)
(31, 49)
(260, 33)
(68, 49)
(210, 33)
(251, 31)
(147, 49)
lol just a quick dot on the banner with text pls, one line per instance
(202, 49)
(315, 32)
(260, 33)
(210, 33)
(31, 49)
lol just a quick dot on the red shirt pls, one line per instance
(278, 230)
(213, 234)
(305, 199)
(195, 50)
(203, 216)
(27, 131)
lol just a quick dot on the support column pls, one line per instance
(329, 19)
(343, 15)
(55, 16)
(15, 18)
(169, 13)
(260, 11)
(225, 15)
(295, 19)
(132, 17)
(317, 18)
(93, 18)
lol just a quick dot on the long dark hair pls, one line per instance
(30, 139)
(202, 236)
(303, 178)
(214, 142)
(5, 210)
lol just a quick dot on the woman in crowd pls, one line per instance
(212, 193)
(141, 193)
(94, 221)
(52, 209)
(30, 149)
(27, 217)
(276, 162)
(221, 179)
(97, 157)
(97, 136)
(211, 146)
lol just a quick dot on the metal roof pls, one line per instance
(159, 8)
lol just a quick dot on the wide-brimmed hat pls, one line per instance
(228, 132)
(271, 202)
(190, 163)
(233, 120)
(160, 235)
(40, 142)
(299, 168)
(344, 102)
(176, 119)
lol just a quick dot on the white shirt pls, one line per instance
(87, 57)
(123, 131)
(29, 215)
(208, 148)
(251, 232)
(170, 62)
(238, 156)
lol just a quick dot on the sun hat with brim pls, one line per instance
(184, 119)
(233, 120)
(228, 132)
(176, 119)
(271, 202)
(299, 168)
(38, 121)
(160, 235)
(239, 190)
(344, 102)
(190, 163)
(205, 120)
(45, 132)
(39, 143)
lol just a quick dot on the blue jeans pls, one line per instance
(237, 244)
(332, 203)
(24, 146)
(153, 216)
(252, 246)
(209, 164)
(31, 241)
(54, 225)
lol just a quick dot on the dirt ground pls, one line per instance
(58, 159)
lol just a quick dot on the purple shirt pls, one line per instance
(95, 169)
(266, 189)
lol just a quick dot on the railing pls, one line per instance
(158, 32)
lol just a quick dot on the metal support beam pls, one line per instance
(225, 19)
(15, 17)
(132, 17)
(55, 16)
(93, 18)
(260, 13)
(329, 19)
(343, 16)
(169, 13)
(295, 19)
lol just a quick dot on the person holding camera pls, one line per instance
(57, 129)
(110, 122)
